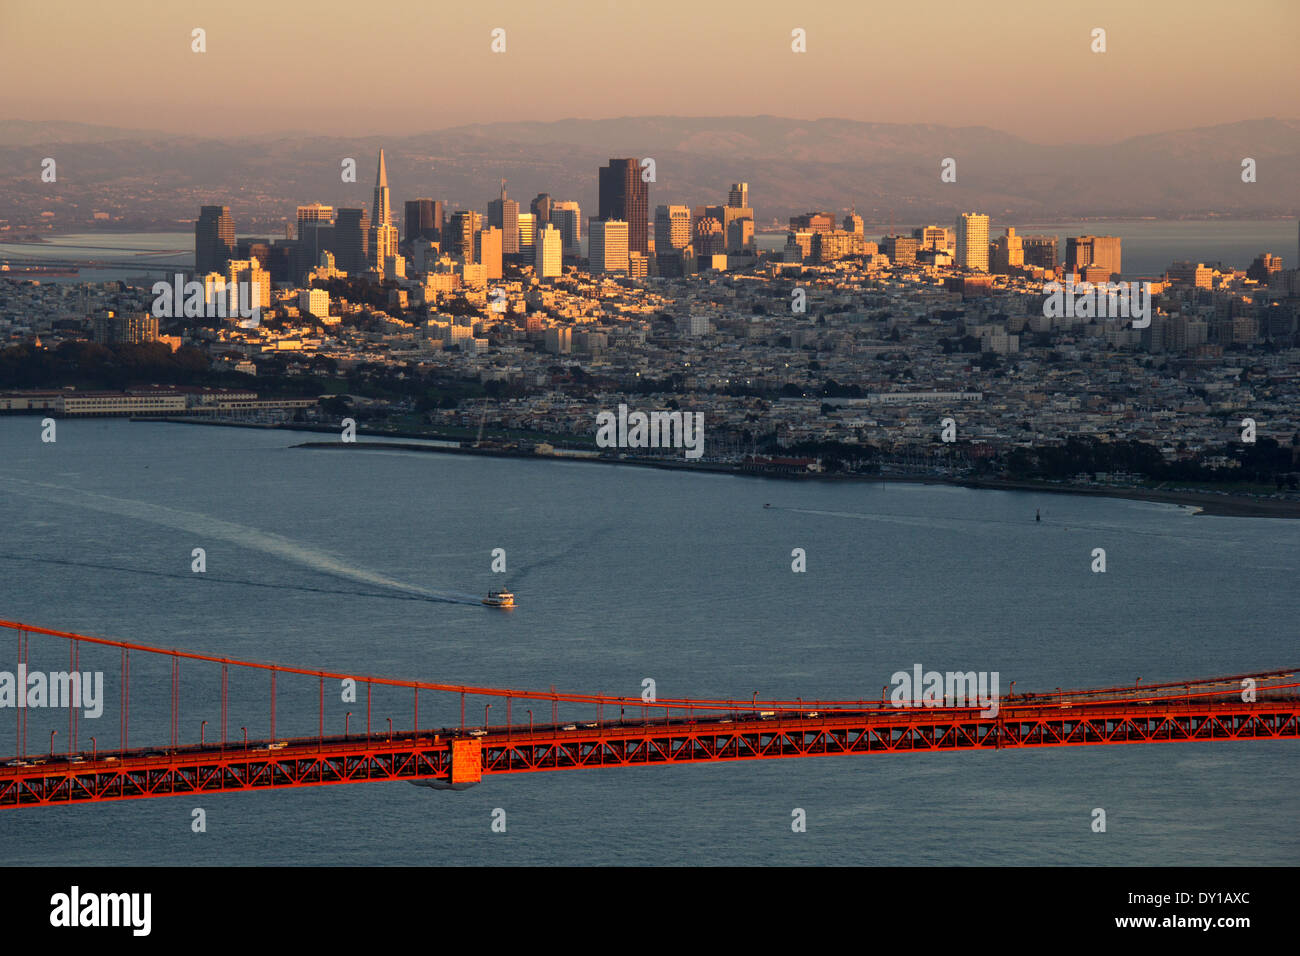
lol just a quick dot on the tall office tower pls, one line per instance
(738, 196)
(458, 237)
(504, 214)
(383, 234)
(1039, 251)
(527, 234)
(1008, 252)
(708, 237)
(735, 237)
(838, 243)
(423, 219)
(257, 279)
(1264, 266)
(315, 235)
(740, 235)
(608, 246)
(1190, 273)
(566, 216)
(1101, 251)
(541, 208)
(853, 223)
(250, 248)
(549, 256)
(672, 228)
(972, 242)
(214, 239)
(933, 237)
(315, 212)
(625, 196)
(900, 249)
(352, 240)
(487, 250)
(382, 214)
(812, 222)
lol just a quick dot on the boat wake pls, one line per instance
(241, 535)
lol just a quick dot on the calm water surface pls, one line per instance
(370, 563)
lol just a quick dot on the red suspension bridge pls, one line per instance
(621, 732)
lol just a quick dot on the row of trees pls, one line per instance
(1264, 462)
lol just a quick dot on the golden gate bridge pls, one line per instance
(660, 732)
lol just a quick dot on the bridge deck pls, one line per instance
(460, 757)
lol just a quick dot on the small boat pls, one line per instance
(499, 599)
(1038, 515)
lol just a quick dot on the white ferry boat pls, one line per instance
(499, 599)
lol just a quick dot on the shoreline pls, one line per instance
(1199, 503)
(1205, 503)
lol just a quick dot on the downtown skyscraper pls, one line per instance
(625, 196)
(383, 234)
(214, 239)
(352, 241)
(503, 213)
(566, 216)
(972, 242)
(423, 219)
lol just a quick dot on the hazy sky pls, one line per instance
(386, 66)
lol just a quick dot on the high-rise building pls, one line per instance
(1196, 274)
(1264, 266)
(1039, 251)
(608, 246)
(382, 213)
(672, 228)
(1008, 253)
(487, 250)
(625, 196)
(214, 239)
(315, 235)
(812, 222)
(423, 219)
(458, 237)
(853, 223)
(972, 242)
(740, 234)
(708, 237)
(838, 243)
(504, 214)
(352, 241)
(798, 245)
(934, 237)
(248, 272)
(113, 329)
(541, 208)
(549, 256)
(383, 234)
(1101, 251)
(527, 235)
(566, 216)
(738, 196)
(900, 249)
(735, 236)
(315, 212)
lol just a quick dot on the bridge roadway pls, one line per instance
(459, 758)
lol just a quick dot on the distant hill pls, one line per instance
(791, 165)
